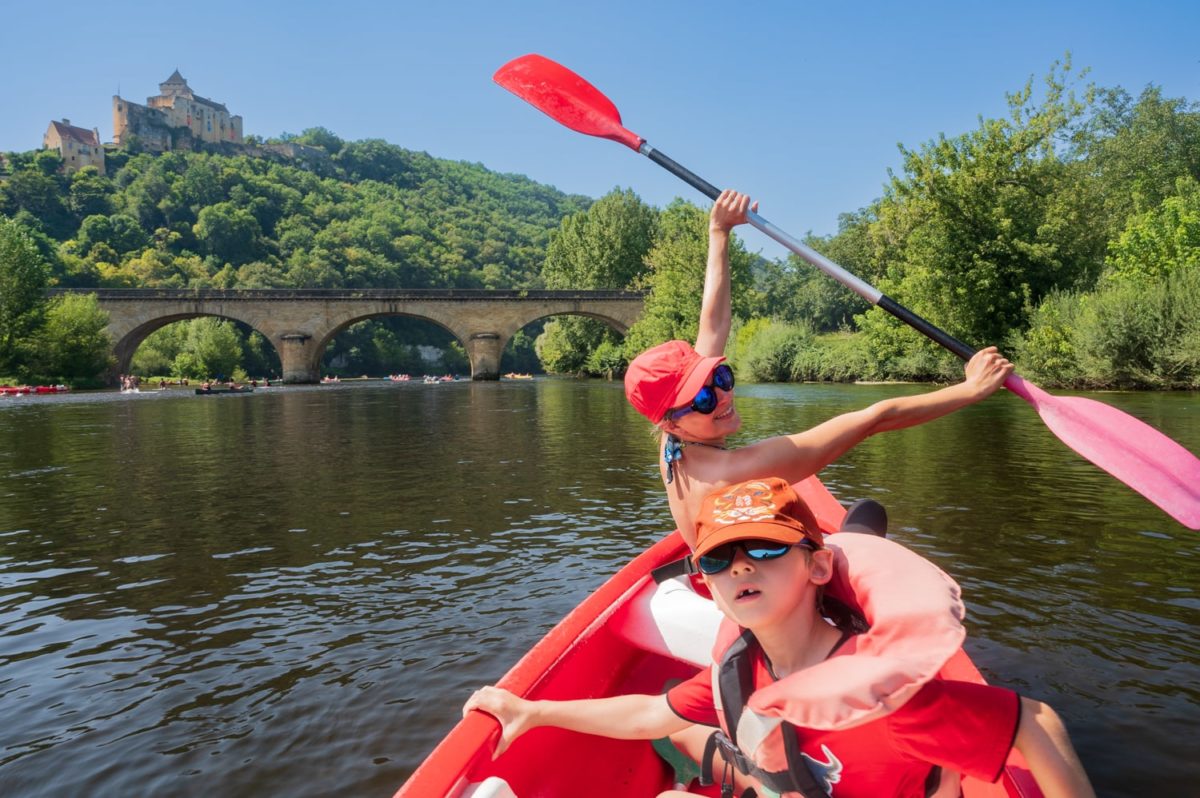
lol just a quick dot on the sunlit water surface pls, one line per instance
(292, 592)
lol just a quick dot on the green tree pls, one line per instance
(213, 349)
(228, 232)
(604, 246)
(38, 198)
(47, 162)
(23, 279)
(120, 232)
(72, 345)
(1161, 240)
(156, 355)
(1138, 150)
(797, 293)
(321, 137)
(981, 226)
(90, 193)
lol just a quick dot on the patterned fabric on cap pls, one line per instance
(760, 509)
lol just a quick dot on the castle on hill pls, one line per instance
(174, 119)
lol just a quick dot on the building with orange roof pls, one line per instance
(78, 146)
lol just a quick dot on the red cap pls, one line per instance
(666, 376)
(761, 509)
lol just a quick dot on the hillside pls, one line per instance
(371, 215)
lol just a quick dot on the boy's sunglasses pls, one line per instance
(706, 398)
(720, 558)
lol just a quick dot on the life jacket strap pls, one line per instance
(735, 681)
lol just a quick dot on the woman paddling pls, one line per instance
(687, 392)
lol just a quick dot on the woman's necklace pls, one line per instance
(673, 452)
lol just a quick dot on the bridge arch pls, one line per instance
(126, 345)
(614, 324)
(320, 347)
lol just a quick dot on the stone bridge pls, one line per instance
(300, 323)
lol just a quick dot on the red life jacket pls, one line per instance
(911, 614)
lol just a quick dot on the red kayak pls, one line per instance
(615, 643)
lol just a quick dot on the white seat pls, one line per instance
(672, 620)
(491, 787)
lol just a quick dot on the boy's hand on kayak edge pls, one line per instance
(513, 713)
(987, 370)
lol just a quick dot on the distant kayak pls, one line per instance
(21, 390)
(225, 389)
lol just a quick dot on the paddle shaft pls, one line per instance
(858, 286)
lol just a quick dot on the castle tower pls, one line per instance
(174, 86)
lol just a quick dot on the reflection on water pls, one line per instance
(291, 592)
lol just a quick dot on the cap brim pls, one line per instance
(750, 530)
(694, 381)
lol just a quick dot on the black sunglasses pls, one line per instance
(706, 398)
(720, 558)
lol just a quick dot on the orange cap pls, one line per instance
(760, 509)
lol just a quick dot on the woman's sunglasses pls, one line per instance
(706, 398)
(720, 558)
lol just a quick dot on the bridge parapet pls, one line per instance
(326, 294)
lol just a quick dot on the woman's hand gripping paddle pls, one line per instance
(1132, 451)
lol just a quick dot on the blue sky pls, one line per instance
(800, 104)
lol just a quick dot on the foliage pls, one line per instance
(981, 225)
(1138, 150)
(766, 349)
(1143, 334)
(569, 345)
(604, 246)
(119, 233)
(796, 292)
(519, 354)
(72, 346)
(376, 215)
(1162, 240)
(834, 357)
(394, 345)
(23, 279)
(200, 348)
(607, 360)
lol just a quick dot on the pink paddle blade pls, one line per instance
(1131, 450)
(565, 97)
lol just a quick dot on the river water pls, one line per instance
(292, 592)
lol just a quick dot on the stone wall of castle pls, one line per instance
(174, 119)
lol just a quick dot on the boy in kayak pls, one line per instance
(687, 392)
(764, 560)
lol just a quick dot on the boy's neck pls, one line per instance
(801, 641)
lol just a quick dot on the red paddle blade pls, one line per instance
(565, 97)
(1131, 450)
